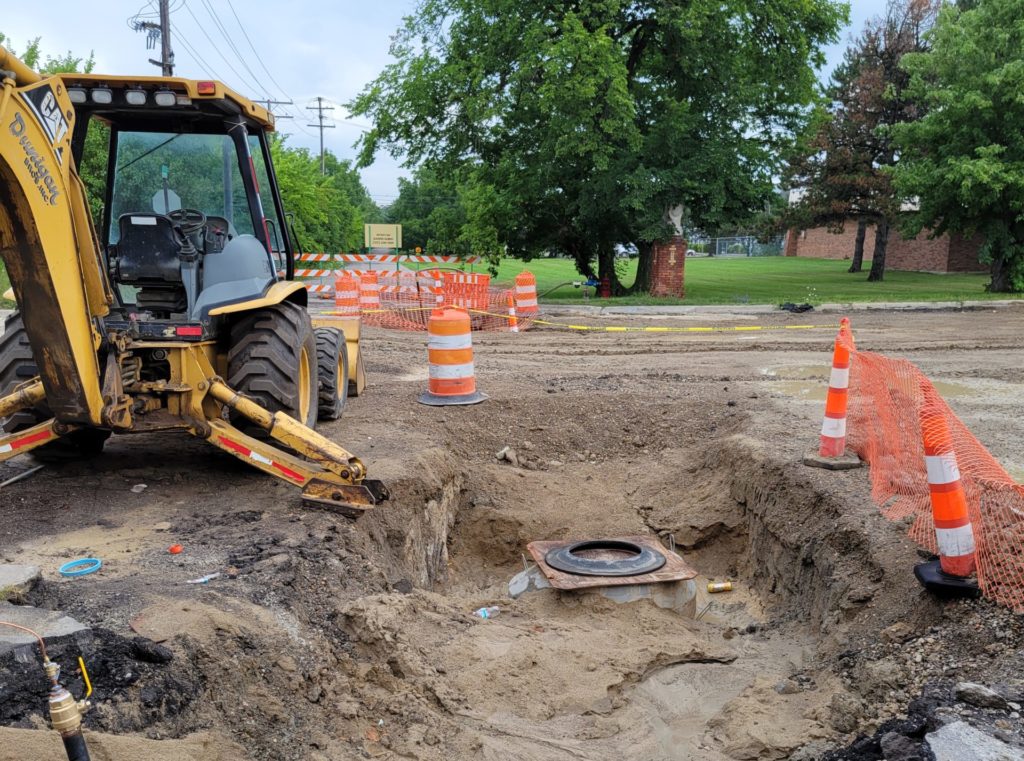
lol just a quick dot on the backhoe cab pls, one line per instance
(181, 313)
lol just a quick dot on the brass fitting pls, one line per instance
(65, 711)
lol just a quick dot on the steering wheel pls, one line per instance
(190, 221)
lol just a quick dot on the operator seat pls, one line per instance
(147, 257)
(147, 250)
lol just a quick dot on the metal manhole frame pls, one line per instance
(675, 568)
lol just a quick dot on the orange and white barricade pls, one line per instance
(369, 291)
(451, 377)
(833, 428)
(526, 294)
(346, 294)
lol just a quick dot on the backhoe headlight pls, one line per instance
(102, 95)
(77, 95)
(135, 97)
(164, 98)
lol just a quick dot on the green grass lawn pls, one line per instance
(757, 280)
(764, 280)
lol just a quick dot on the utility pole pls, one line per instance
(320, 108)
(270, 103)
(161, 31)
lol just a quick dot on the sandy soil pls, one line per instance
(331, 639)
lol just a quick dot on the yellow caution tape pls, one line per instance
(624, 328)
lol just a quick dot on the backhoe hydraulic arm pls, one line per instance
(47, 241)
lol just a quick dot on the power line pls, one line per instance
(227, 38)
(192, 51)
(254, 51)
(217, 48)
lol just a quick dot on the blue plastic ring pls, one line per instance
(81, 567)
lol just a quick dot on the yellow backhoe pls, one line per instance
(175, 309)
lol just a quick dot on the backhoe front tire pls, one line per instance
(17, 366)
(273, 361)
(332, 365)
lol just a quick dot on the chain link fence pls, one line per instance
(735, 246)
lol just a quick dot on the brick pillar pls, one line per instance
(667, 267)
(792, 242)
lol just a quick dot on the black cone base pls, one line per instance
(443, 401)
(942, 584)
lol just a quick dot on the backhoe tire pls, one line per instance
(18, 366)
(332, 366)
(272, 361)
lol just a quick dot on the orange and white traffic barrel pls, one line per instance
(369, 291)
(513, 319)
(451, 378)
(346, 294)
(833, 428)
(526, 294)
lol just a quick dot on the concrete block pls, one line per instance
(17, 580)
(960, 741)
(54, 627)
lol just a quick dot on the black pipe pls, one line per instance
(74, 746)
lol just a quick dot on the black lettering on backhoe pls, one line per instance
(35, 163)
(18, 125)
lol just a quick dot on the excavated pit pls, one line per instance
(392, 661)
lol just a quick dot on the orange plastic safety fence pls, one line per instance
(407, 298)
(884, 427)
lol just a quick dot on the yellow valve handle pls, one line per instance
(85, 676)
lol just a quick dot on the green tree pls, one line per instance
(842, 165)
(430, 212)
(963, 162)
(574, 126)
(330, 209)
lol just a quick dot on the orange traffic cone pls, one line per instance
(954, 535)
(833, 428)
(513, 319)
(450, 352)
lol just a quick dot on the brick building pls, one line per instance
(947, 253)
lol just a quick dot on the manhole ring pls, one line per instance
(641, 559)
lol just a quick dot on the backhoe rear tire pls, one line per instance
(332, 365)
(273, 361)
(18, 366)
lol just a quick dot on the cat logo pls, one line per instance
(47, 112)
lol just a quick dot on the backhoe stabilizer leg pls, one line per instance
(293, 434)
(23, 397)
(27, 439)
(322, 487)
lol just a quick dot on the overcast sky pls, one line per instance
(309, 48)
